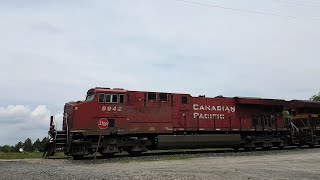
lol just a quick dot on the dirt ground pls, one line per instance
(285, 164)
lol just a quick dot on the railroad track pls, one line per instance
(190, 153)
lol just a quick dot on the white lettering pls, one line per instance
(110, 108)
(195, 107)
(208, 116)
(228, 109)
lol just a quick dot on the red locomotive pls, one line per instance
(114, 120)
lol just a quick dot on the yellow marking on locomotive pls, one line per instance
(152, 129)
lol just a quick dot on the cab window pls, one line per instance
(121, 98)
(111, 98)
(89, 97)
(108, 98)
(114, 98)
(101, 98)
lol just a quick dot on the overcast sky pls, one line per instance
(52, 52)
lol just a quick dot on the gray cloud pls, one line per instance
(53, 52)
(19, 122)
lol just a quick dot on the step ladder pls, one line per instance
(57, 140)
(295, 133)
(57, 143)
(60, 140)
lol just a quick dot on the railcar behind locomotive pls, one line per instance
(114, 120)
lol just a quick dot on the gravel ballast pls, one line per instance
(275, 164)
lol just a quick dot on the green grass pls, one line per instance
(27, 155)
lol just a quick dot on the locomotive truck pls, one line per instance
(110, 121)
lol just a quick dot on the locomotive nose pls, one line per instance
(67, 115)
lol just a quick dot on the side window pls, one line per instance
(184, 100)
(114, 98)
(108, 98)
(111, 98)
(152, 96)
(101, 98)
(121, 98)
(163, 97)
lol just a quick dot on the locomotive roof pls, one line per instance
(239, 100)
(260, 101)
(102, 89)
(304, 103)
(120, 90)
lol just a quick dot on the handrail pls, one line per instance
(56, 132)
(67, 131)
(295, 127)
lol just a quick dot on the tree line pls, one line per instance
(315, 97)
(27, 145)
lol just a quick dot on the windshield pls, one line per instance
(90, 97)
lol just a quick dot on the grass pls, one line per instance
(15, 155)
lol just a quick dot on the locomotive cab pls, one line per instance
(100, 103)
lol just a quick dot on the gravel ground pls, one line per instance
(275, 164)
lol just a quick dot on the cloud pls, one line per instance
(17, 122)
(15, 113)
(53, 52)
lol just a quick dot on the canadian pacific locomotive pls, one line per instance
(114, 120)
